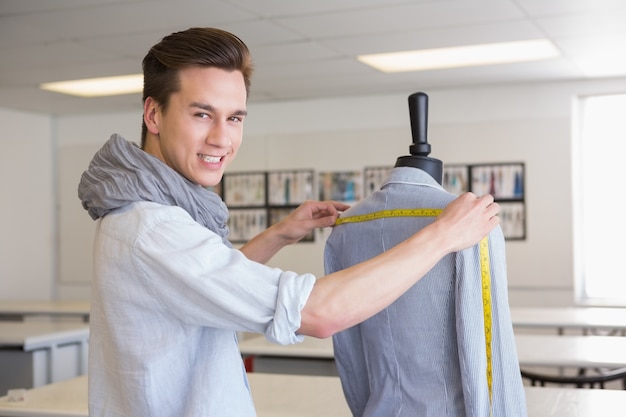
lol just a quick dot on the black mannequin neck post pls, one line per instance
(420, 149)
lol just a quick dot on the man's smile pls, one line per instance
(210, 158)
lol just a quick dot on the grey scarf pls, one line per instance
(120, 174)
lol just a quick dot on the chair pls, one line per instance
(581, 380)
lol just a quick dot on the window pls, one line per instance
(599, 176)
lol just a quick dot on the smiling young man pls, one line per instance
(170, 292)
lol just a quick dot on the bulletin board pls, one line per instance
(257, 200)
(504, 181)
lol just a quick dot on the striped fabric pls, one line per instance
(425, 354)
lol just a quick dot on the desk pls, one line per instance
(577, 318)
(571, 351)
(311, 347)
(311, 357)
(297, 396)
(273, 395)
(19, 310)
(62, 399)
(36, 353)
(305, 396)
(532, 350)
(571, 402)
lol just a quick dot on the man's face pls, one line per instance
(201, 131)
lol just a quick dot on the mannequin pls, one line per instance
(425, 355)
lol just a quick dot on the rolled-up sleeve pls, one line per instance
(194, 276)
(293, 292)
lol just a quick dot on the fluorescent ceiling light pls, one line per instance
(98, 87)
(461, 56)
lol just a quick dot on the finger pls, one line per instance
(487, 198)
(330, 208)
(340, 206)
(327, 219)
(493, 209)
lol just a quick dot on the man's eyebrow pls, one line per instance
(202, 106)
(210, 108)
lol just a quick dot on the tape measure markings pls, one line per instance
(389, 213)
(485, 272)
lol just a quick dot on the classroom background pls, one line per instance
(46, 244)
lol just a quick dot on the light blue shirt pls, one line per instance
(168, 297)
(425, 355)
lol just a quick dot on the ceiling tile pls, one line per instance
(401, 17)
(301, 49)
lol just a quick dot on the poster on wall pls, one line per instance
(502, 181)
(505, 182)
(346, 186)
(244, 189)
(513, 220)
(257, 200)
(373, 178)
(244, 224)
(289, 188)
(456, 179)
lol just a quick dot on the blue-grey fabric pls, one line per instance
(425, 355)
(120, 173)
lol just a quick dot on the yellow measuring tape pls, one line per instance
(485, 270)
(389, 213)
(485, 274)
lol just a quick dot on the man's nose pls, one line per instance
(218, 135)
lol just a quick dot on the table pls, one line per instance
(574, 351)
(311, 357)
(571, 402)
(273, 395)
(578, 318)
(61, 399)
(19, 310)
(307, 396)
(311, 347)
(34, 353)
(297, 395)
(571, 351)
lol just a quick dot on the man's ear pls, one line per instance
(151, 115)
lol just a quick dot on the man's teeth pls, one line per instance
(209, 158)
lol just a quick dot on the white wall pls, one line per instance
(79, 137)
(27, 212)
(528, 123)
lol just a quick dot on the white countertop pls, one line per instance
(44, 306)
(314, 396)
(24, 308)
(532, 350)
(31, 335)
(67, 398)
(273, 395)
(572, 402)
(571, 351)
(604, 318)
(311, 347)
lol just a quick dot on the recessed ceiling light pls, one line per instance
(461, 56)
(98, 87)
